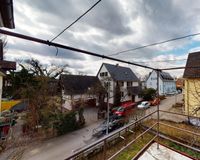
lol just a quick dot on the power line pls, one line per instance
(46, 42)
(162, 60)
(75, 20)
(175, 68)
(154, 44)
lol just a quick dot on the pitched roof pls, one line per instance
(163, 75)
(77, 84)
(119, 73)
(192, 61)
(166, 76)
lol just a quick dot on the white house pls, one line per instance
(113, 75)
(167, 84)
(76, 89)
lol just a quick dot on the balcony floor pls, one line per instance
(163, 153)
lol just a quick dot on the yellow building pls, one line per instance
(192, 84)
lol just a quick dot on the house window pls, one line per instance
(120, 83)
(122, 94)
(102, 74)
(129, 84)
(106, 84)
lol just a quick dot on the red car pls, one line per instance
(155, 102)
(125, 109)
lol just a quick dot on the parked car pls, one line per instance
(155, 102)
(124, 110)
(115, 122)
(143, 105)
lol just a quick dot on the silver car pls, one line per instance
(143, 105)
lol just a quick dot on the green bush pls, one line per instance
(66, 123)
(148, 94)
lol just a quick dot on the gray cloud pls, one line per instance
(110, 27)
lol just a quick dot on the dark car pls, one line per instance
(115, 122)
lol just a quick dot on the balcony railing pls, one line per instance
(102, 143)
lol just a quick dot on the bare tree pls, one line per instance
(52, 71)
(3, 44)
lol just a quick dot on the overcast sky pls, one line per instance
(112, 26)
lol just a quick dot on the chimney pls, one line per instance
(117, 65)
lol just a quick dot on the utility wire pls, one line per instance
(154, 44)
(162, 61)
(75, 21)
(41, 41)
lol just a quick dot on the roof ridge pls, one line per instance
(116, 65)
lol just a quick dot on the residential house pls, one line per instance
(76, 89)
(167, 84)
(6, 14)
(192, 84)
(113, 75)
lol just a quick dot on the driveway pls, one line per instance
(166, 105)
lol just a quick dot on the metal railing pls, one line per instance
(102, 143)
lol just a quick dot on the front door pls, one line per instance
(133, 98)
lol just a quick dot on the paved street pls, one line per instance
(61, 147)
(166, 105)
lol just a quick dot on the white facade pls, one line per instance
(165, 86)
(106, 78)
(70, 100)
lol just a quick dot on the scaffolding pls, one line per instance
(101, 144)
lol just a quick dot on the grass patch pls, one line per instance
(181, 149)
(130, 151)
(177, 134)
(133, 149)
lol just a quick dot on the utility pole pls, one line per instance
(108, 109)
(158, 115)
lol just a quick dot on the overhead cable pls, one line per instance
(154, 44)
(161, 60)
(46, 42)
(75, 20)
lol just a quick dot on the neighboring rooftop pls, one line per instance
(192, 61)
(78, 84)
(166, 76)
(6, 14)
(163, 153)
(163, 75)
(119, 73)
